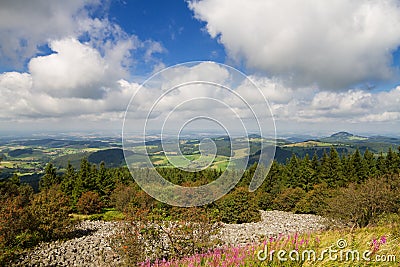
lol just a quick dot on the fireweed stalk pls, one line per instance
(230, 256)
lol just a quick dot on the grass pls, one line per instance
(219, 162)
(380, 243)
(241, 153)
(309, 144)
(107, 214)
(7, 164)
(358, 138)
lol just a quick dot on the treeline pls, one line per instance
(88, 178)
(307, 185)
(355, 188)
(332, 169)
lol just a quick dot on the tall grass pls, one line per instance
(375, 243)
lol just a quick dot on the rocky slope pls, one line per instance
(93, 248)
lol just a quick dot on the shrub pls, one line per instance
(122, 196)
(50, 213)
(150, 237)
(14, 219)
(263, 200)
(316, 200)
(15, 222)
(238, 207)
(360, 204)
(288, 198)
(89, 203)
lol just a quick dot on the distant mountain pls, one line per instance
(254, 136)
(384, 139)
(375, 144)
(300, 138)
(20, 152)
(113, 157)
(341, 137)
(56, 143)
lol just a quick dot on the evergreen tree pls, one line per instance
(336, 176)
(49, 178)
(381, 165)
(359, 170)
(82, 180)
(331, 169)
(370, 164)
(93, 178)
(391, 162)
(345, 162)
(292, 171)
(69, 180)
(104, 181)
(305, 174)
(323, 173)
(315, 168)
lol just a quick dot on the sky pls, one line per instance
(323, 66)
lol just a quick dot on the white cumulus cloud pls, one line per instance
(74, 69)
(25, 25)
(333, 44)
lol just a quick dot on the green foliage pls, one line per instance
(315, 201)
(238, 207)
(112, 215)
(50, 213)
(357, 188)
(49, 178)
(360, 204)
(288, 199)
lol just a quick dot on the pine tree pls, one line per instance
(336, 177)
(331, 169)
(359, 170)
(82, 180)
(324, 169)
(315, 167)
(381, 165)
(49, 178)
(305, 174)
(104, 181)
(391, 162)
(292, 170)
(345, 162)
(69, 180)
(370, 164)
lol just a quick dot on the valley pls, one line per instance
(28, 157)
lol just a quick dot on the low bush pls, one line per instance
(89, 203)
(360, 204)
(50, 213)
(239, 206)
(288, 198)
(149, 238)
(316, 200)
(27, 219)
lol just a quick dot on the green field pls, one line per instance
(31, 156)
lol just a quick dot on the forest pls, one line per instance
(355, 189)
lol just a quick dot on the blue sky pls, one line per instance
(324, 67)
(173, 25)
